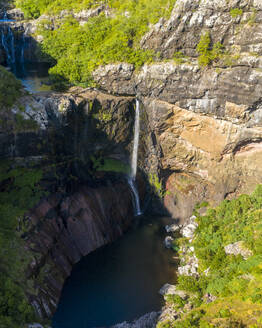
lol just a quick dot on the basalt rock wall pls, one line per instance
(64, 228)
(83, 208)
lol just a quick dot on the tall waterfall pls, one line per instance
(136, 140)
(132, 177)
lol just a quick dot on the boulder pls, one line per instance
(238, 248)
(168, 289)
(168, 242)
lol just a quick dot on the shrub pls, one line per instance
(236, 12)
(10, 89)
(78, 50)
(207, 54)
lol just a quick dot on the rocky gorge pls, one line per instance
(200, 138)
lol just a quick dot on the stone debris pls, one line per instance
(189, 229)
(238, 248)
(172, 228)
(168, 241)
(168, 289)
(190, 269)
(208, 298)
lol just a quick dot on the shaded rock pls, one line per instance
(238, 248)
(172, 228)
(169, 241)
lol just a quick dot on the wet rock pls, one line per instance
(169, 241)
(172, 228)
(15, 14)
(149, 320)
(238, 248)
(35, 325)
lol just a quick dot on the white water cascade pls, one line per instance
(132, 177)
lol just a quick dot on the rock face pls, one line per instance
(205, 123)
(64, 228)
(149, 320)
(67, 136)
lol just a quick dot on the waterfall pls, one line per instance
(8, 44)
(132, 177)
(136, 141)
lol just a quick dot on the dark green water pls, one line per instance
(33, 76)
(118, 282)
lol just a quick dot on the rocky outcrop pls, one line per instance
(148, 320)
(238, 248)
(205, 123)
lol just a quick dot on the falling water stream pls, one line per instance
(33, 75)
(132, 178)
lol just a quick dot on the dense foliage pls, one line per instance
(78, 49)
(207, 52)
(19, 191)
(10, 88)
(35, 8)
(235, 282)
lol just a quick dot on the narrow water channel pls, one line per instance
(119, 282)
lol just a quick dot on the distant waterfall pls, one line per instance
(22, 55)
(132, 177)
(8, 43)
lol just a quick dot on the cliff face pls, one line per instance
(201, 133)
(80, 144)
(206, 122)
(64, 228)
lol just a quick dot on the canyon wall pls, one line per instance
(205, 122)
(69, 138)
(201, 134)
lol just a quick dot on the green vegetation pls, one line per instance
(19, 192)
(35, 8)
(235, 282)
(76, 50)
(252, 18)
(109, 165)
(207, 53)
(236, 12)
(10, 89)
(157, 185)
(179, 57)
